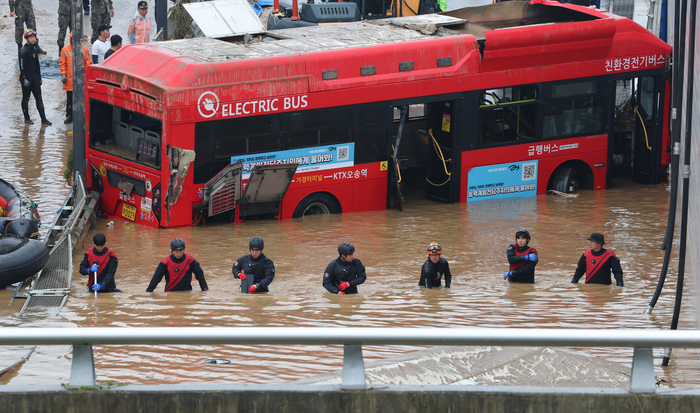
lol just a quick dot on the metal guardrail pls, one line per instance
(68, 215)
(642, 379)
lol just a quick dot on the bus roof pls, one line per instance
(502, 36)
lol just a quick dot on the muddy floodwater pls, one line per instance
(391, 244)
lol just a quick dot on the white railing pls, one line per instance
(83, 369)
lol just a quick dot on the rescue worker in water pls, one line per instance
(104, 262)
(522, 259)
(177, 269)
(345, 273)
(255, 270)
(434, 268)
(597, 263)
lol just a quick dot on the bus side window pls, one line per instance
(573, 108)
(320, 127)
(508, 115)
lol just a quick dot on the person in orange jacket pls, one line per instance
(67, 75)
(139, 30)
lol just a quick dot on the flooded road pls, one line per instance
(392, 245)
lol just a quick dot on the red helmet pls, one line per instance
(29, 32)
(434, 249)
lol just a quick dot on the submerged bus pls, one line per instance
(506, 100)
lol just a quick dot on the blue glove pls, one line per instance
(619, 285)
(507, 275)
(94, 268)
(26, 83)
(98, 287)
(531, 257)
(64, 79)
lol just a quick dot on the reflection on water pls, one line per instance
(392, 245)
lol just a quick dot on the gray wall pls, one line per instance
(280, 399)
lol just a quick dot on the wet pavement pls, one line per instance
(391, 244)
(33, 156)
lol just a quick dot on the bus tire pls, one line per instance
(316, 204)
(565, 179)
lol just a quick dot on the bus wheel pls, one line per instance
(316, 204)
(565, 179)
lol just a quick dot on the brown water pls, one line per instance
(392, 245)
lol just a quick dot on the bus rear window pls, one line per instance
(125, 134)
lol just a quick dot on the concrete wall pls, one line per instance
(289, 399)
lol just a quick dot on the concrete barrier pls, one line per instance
(295, 399)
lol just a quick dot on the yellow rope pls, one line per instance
(636, 109)
(442, 158)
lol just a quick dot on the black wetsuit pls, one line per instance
(338, 270)
(602, 263)
(523, 270)
(105, 274)
(261, 268)
(178, 282)
(431, 274)
(30, 70)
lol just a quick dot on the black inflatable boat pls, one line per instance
(21, 254)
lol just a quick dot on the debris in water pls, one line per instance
(217, 361)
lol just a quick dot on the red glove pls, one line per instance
(344, 285)
(242, 276)
(341, 293)
(252, 289)
(206, 291)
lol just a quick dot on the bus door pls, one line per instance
(442, 152)
(648, 130)
(637, 143)
(421, 154)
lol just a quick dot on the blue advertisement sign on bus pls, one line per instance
(506, 180)
(309, 159)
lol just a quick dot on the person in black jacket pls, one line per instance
(434, 268)
(522, 259)
(345, 273)
(30, 77)
(255, 270)
(177, 268)
(597, 263)
(104, 262)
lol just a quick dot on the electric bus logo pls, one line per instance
(208, 104)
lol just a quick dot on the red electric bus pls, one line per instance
(506, 100)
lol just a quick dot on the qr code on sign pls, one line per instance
(529, 171)
(343, 153)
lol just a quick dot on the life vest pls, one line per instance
(594, 263)
(529, 250)
(101, 260)
(176, 271)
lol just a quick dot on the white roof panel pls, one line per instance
(225, 18)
